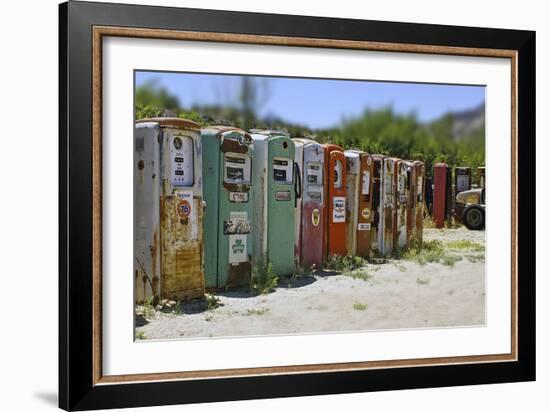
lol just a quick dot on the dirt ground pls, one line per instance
(402, 293)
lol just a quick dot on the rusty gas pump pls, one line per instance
(442, 194)
(168, 210)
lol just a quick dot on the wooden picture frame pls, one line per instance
(81, 382)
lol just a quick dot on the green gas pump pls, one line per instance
(275, 187)
(227, 182)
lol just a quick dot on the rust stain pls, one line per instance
(223, 128)
(237, 187)
(401, 200)
(402, 219)
(174, 122)
(419, 227)
(389, 222)
(376, 212)
(365, 204)
(155, 275)
(234, 146)
(239, 274)
(411, 201)
(182, 274)
(141, 166)
(136, 287)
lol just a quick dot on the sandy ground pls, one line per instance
(395, 294)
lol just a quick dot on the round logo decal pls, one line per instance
(178, 142)
(183, 209)
(315, 217)
(365, 213)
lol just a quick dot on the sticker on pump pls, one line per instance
(317, 196)
(339, 209)
(282, 196)
(237, 224)
(315, 217)
(363, 226)
(419, 184)
(365, 184)
(238, 249)
(238, 197)
(184, 206)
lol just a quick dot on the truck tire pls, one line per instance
(474, 217)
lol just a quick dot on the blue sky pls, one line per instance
(319, 103)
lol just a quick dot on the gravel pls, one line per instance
(393, 295)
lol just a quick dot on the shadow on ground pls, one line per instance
(323, 273)
(296, 282)
(140, 321)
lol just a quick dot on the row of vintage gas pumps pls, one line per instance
(209, 202)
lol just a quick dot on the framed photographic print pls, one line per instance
(257, 205)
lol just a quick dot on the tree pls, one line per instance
(151, 100)
(374, 131)
(254, 93)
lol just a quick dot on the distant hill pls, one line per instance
(468, 122)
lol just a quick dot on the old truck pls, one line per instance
(470, 208)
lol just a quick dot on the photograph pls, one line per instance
(272, 205)
(260, 205)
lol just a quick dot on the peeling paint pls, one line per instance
(181, 270)
(376, 214)
(419, 208)
(441, 200)
(364, 207)
(310, 233)
(168, 210)
(154, 257)
(239, 274)
(411, 200)
(389, 214)
(402, 203)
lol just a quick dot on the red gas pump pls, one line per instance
(442, 194)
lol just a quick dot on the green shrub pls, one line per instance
(140, 335)
(450, 260)
(148, 308)
(432, 251)
(178, 308)
(475, 258)
(466, 244)
(425, 252)
(193, 116)
(147, 111)
(301, 271)
(358, 274)
(344, 264)
(263, 279)
(212, 301)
